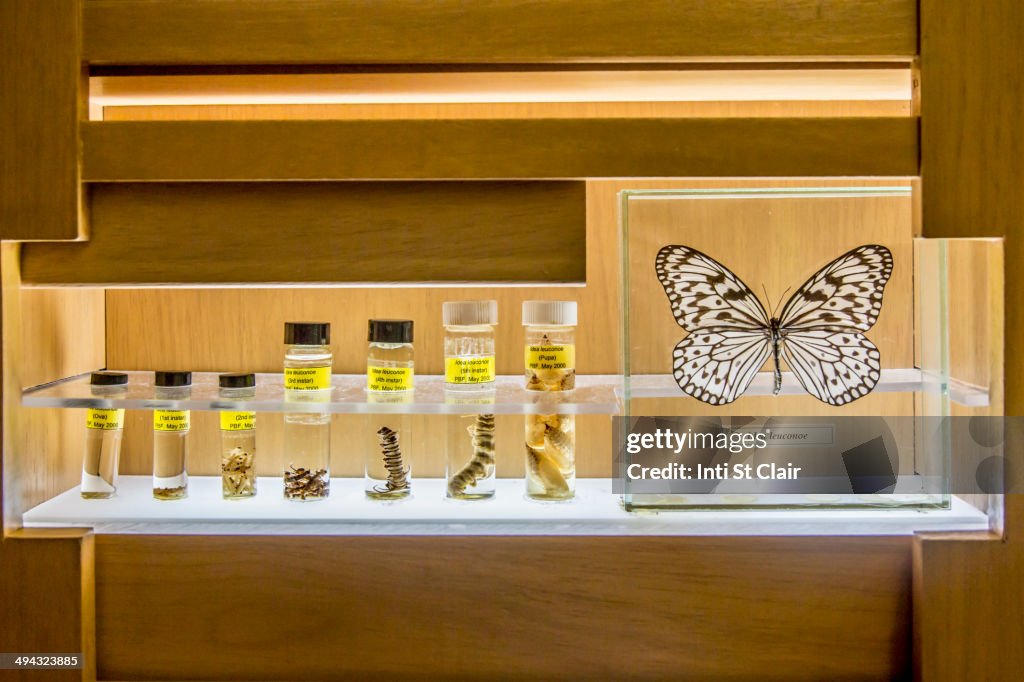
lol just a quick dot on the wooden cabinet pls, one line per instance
(135, 231)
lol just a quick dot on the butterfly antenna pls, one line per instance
(782, 297)
(771, 313)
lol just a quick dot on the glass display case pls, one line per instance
(800, 348)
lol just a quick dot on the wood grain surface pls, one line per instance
(47, 335)
(488, 149)
(47, 599)
(969, 610)
(308, 233)
(565, 608)
(447, 31)
(44, 93)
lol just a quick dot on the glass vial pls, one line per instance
(469, 367)
(390, 378)
(550, 365)
(103, 431)
(237, 438)
(469, 344)
(307, 435)
(170, 437)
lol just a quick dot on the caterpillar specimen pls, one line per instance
(398, 473)
(481, 433)
(306, 484)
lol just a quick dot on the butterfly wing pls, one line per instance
(729, 333)
(704, 294)
(716, 367)
(821, 326)
(846, 293)
(836, 367)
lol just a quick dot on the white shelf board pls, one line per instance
(594, 394)
(908, 380)
(594, 511)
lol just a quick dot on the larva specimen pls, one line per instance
(482, 435)
(397, 471)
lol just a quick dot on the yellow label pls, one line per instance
(170, 420)
(551, 357)
(237, 421)
(389, 378)
(307, 378)
(105, 420)
(469, 370)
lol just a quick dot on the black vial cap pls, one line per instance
(390, 331)
(240, 380)
(307, 333)
(172, 379)
(108, 379)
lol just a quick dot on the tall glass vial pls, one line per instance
(307, 435)
(170, 437)
(103, 430)
(237, 438)
(470, 369)
(390, 378)
(550, 365)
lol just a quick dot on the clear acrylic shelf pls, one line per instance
(910, 380)
(594, 394)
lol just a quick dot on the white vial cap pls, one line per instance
(556, 313)
(468, 313)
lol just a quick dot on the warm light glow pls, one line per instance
(723, 85)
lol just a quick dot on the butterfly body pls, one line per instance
(776, 339)
(819, 332)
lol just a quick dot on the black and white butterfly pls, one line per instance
(819, 332)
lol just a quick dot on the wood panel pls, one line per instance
(968, 617)
(497, 149)
(447, 31)
(48, 599)
(323, 232)
(567, 608)
(969, 614)
(44, 91)
(47, 335)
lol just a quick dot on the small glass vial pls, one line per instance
(170, 437)
(469, 369)
(104, 428)
(390, 378)
(469, 344)
(237, 438)
(550, 365)
(307, 435)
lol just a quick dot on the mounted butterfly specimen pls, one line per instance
(819, 333)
